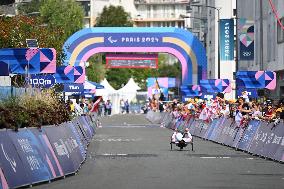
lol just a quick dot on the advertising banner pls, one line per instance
(225, 131)
(246, 37)
(41, 81)
(227, 39)
(210, 86)
(232, 133)
(28, 148)
(70, 74)
(273, 142)
(48, 154)
(73, 147)
(74, 87)
(210, 131)
(256, 80)
(259, 139)
(248, 135)
(61, 147)
(218, 129)
(11, 164)
(132, 61)
(79, 140)
(31, 61)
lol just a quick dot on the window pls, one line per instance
(280, 32)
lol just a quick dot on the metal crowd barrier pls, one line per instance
(258, 138)
(32, 156)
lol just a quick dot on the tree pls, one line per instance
(66, 14)
(96, 70)
(114, 16)
(15, 30)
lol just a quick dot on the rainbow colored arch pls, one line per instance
(181, 43)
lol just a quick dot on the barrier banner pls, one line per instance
(238, 137)
(61, 147)
(86, 126)
(260, 138)
(48, 153)
(78, 139)
(28, 148)
(3, 182)
(218, 129)
(272, 143)
(204, 128)
(11, 164)
(80, 133)
(73, 147)
(224, 133)
(82, 130)
(279, 154)
(232, 132)
(249, 134)
(211, 129)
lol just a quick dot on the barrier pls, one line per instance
(32, 156)
(259, 138)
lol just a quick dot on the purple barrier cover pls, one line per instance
(272, 144)
(62, 146)
(204, 128)
(80, 128)
(197, 124)
(3, 182)
(257, 144)
(248, 135)
(218, 129)
(211, 129)
(28, 148)
(48, 153)
(86, 126)
(11, 164)
(74, 147)
(225, 131)
(232, 133)
(238, 137)
(279, 154)
(80, 139)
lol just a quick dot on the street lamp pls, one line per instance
(218, 10)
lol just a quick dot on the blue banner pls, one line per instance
(252, 93)
(42, 81)
(11, 164)
(59, 144)
(28, 148)
(48, 153)
(226, 39)
(246, 39)
(248, 135)
(74, 88)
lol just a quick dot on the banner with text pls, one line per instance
(227, 39)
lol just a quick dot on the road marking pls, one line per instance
(215, 157)
(114, 154)
(250, 158)
(117, 140)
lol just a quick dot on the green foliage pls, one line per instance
(66, 14)
(42, 108)
(96, 71)
(114, 16)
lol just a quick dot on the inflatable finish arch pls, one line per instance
(181, 43)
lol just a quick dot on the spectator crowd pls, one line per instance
(242, 110)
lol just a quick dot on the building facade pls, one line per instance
(268, 40)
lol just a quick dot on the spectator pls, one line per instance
(126, 105)
(108, 107)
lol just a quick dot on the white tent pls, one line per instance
(129, 91)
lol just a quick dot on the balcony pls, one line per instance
(158, 2)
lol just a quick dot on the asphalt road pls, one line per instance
(130, 153)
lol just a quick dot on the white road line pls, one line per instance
(250, 158)
(215, 157)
